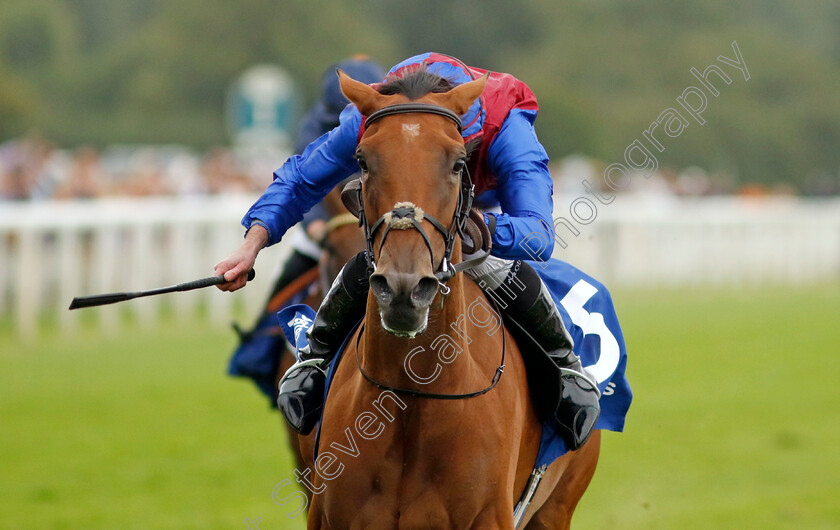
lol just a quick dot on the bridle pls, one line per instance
(337, 221)
(407, 215)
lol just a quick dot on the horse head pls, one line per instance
(412, 157)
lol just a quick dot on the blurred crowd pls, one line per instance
(33, 168)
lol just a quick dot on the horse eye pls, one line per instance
(362, 164)
(459, 166)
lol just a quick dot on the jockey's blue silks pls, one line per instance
(509, 160)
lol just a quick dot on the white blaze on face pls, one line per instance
(411, 130)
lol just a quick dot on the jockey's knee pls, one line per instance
(513, 283)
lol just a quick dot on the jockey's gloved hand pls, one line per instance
(478, 235)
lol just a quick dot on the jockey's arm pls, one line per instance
(305, 179)
(524, 190)
(300, 183)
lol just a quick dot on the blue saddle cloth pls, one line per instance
(258, 358)
(589, 315)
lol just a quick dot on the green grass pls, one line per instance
(735, 423)
(138, 431)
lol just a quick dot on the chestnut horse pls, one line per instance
(392, 452)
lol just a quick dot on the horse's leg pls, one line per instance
(556, 512)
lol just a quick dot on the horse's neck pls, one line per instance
(442, 348)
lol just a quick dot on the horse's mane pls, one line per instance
(415, 84)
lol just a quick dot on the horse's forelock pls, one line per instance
(415, 83)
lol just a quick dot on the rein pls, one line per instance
(497, 375)
(407, 215)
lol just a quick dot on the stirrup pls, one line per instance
(582, 374)
(315, 363)
(579, 408)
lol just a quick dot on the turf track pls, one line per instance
(735, 423)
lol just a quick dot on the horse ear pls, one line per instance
(462, 96)
(363, 96)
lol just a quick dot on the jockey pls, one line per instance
(507, 159)
(258, 356)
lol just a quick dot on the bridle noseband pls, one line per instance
(407, 215)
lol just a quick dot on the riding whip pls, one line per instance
(113, 298)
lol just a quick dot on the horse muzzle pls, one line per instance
(404, 300)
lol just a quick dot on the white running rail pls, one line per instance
(53, 251)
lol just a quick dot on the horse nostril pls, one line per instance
(380, 288)
(425, 291)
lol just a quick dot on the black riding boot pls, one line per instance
(302, 387)
(526, 302)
